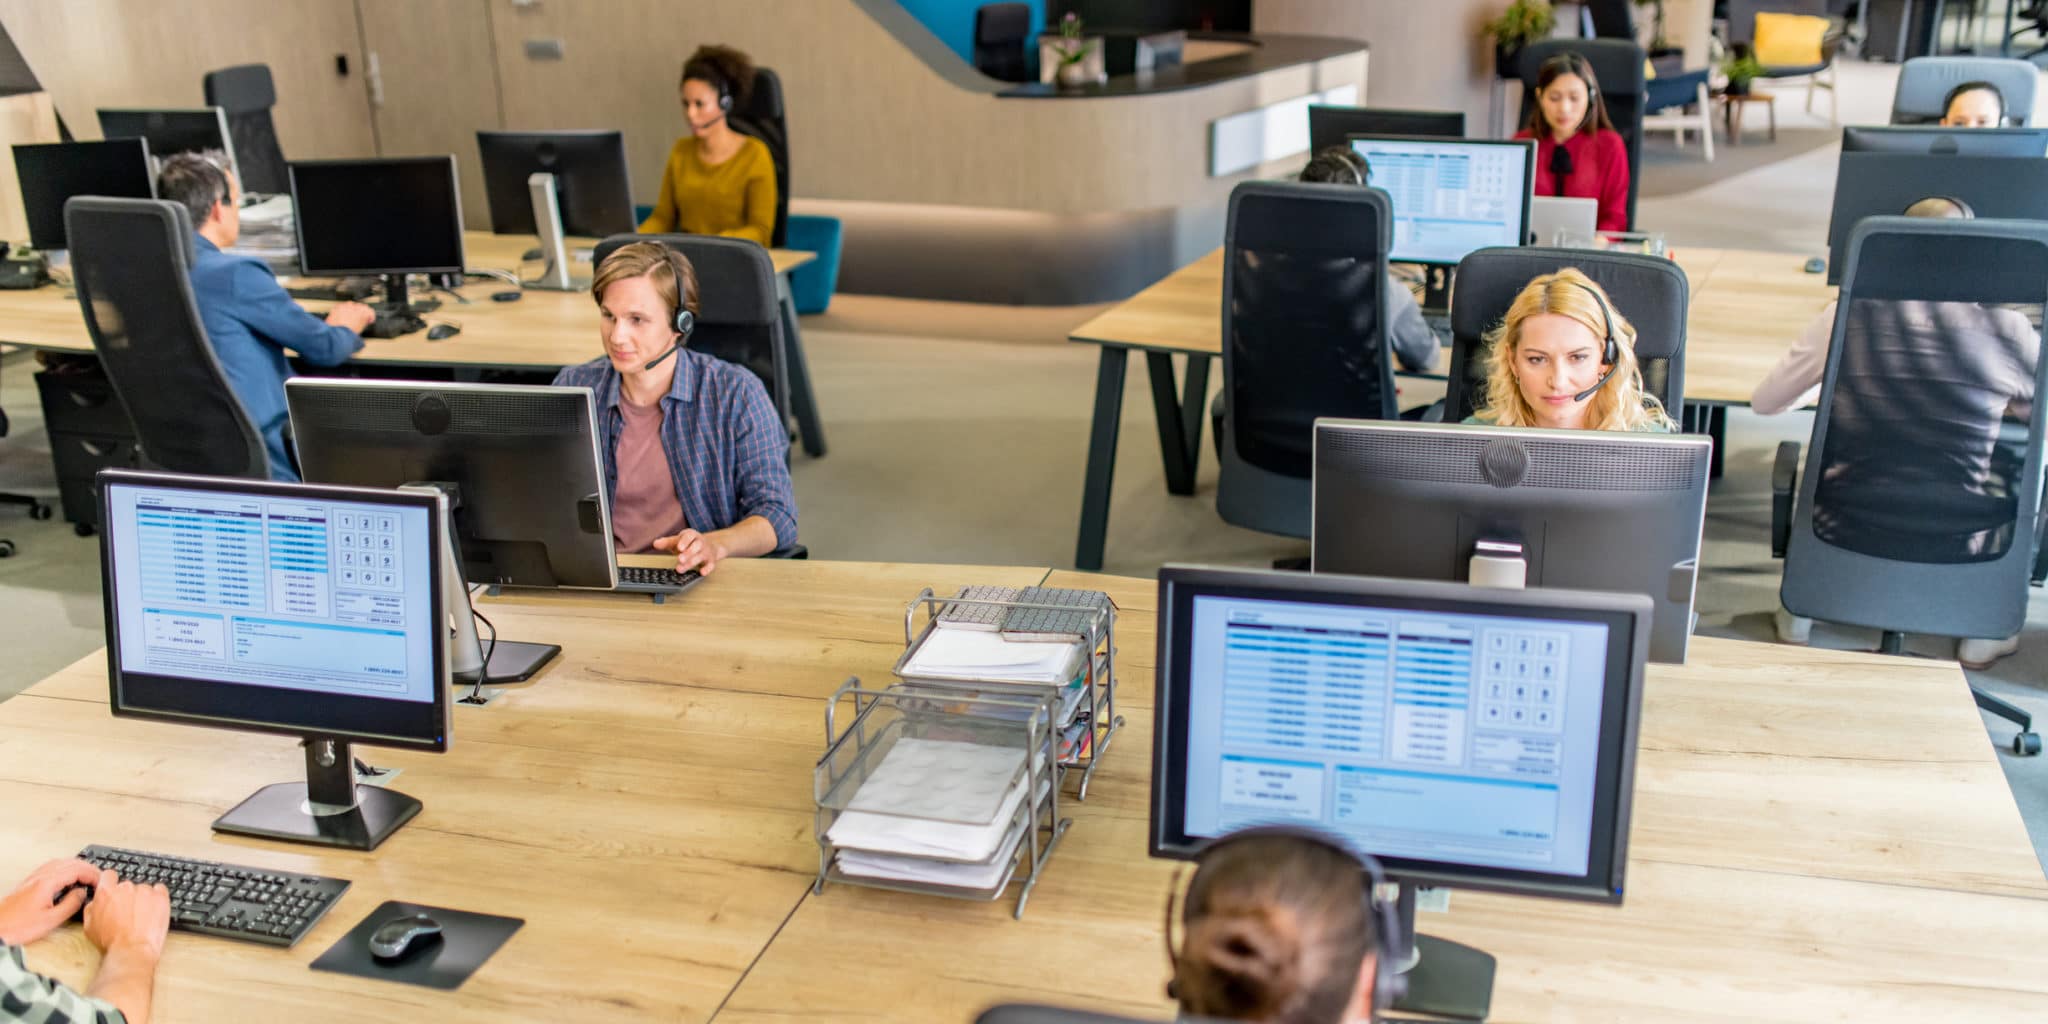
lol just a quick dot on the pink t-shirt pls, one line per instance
(644, 506)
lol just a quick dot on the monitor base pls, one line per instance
(1449, 980)
(512, 661)
(328, 809)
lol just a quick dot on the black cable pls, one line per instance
(491, 645)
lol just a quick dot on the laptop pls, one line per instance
(1563, 220)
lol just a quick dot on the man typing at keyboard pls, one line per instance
(126, 921)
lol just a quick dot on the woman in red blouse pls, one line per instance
(1578, 152)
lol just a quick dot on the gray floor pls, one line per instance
(958, 434)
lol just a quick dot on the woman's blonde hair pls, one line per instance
(1619, 405)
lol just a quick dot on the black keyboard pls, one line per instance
(210, 898)
(348, 289)
(394, 325)
(656, 581)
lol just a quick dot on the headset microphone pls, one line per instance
(1610, 354)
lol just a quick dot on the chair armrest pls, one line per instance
(792, 551)
(1784, 490)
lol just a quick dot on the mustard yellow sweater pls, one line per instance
(735, 198)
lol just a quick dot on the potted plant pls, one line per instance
(1522, 23)
(1072, 49)
(1659, 44)
(1741, 70)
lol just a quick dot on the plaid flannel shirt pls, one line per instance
(29, 998)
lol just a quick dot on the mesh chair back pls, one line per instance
(245, 93)
(1918, 507)
(1618, 64)
(738, 318)
(766, 118)
(1304, 316)
(1001, 32)
(1924, 83)
(131, 261)
(1651, 291)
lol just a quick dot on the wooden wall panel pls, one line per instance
(437, 84)
(153, 53)
(1425, 55)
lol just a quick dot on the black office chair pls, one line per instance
(1618, 64)
(1917, 511)
(738, 319)
(1924, 84)
(37, 508)
(246, 94)
(1648, 290)
(1001, 33)
(1742, 38)
(1304, 335)
(131, 262)
(1610, 19)
(1024, 1013)
(765, 118)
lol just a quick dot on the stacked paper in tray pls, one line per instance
(935, 811)
(269, 234)
(978, 654)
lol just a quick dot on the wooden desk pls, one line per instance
(1745, 310)
(544, 330)
(1817, 835)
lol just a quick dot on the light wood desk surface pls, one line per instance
(1817, 836)
(543, 330)
(1745, 311)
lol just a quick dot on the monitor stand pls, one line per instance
(1445, 978)
(1498, 563)
(511, 661)
(328, 809)
(396, 301)
(554, 249)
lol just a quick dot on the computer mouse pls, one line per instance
(505, 296)
(1816, 265)
(403, 935)
(440, 331)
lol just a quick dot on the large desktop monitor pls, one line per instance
(520, 462)
(389, 217)
(1885, 184)
(1467, 737)
(1451, 196)
(1573, 509)
(593, 193)
(52, 173)
(170, 132)
(316, 612)
(1940, 141)
(1334, 126)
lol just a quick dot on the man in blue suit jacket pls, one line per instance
(249, 317)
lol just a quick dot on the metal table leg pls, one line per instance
(1095, 487)
(1179, 416)
(802, 402)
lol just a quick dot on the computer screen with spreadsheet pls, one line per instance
(1451, 196)
(280, 607)
(1459, 734)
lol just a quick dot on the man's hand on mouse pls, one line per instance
(353, 315)
(33, 909)
(693, 550)
(129, 917)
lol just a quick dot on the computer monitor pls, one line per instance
(1580, 509)
(1885, 184)
(173, 131)
(1334, 126)
(1451, 196)
(388, 217)
(1940, 141)
(521, 463)
(1464, 736)
(311, 611)
(593, 193)
(53, 172)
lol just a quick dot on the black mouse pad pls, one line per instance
(467, 940)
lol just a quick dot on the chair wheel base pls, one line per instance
(6, 549)
(2026, 744)
(40, 513)
(83, 529)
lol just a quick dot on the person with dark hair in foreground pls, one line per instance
(250, 320)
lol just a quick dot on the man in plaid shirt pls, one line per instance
(126, 921)
(695, 458)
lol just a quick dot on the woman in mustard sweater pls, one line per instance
(718, 181)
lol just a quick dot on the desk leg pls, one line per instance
(802, 401)
(1179, 416)
(1109, 401)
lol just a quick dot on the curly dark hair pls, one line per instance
(723, 68)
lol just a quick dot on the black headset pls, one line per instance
(1611, 353)
(1389, 982)
(685, 321)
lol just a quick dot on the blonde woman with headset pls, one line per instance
(1564, 358)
